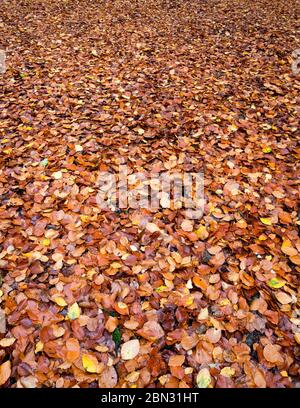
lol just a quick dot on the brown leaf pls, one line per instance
(151, 331)
(108, 378)
(272, 353)
(73, 349)
(5, 371)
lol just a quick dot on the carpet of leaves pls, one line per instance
(134, 298)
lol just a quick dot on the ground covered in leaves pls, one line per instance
(135, 298)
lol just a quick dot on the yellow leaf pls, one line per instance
(22, 127)
(38, 347)
(189, 301)
(161, 289)
(84, 218)
(203, 379)
(60, 301)
(202, 232)
(225, 302)
(45, 242)
(262, 237)
(276, 283)
(90, 363)
(266, 221)
(73, 312)
(7, 151)
(227, 372)
(267, 149)
(233, 128)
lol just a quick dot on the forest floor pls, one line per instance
(134, 297)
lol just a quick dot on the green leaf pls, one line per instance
(73, 312)
(276, 283)
(203, 379)
(116, 336)
(44, 162)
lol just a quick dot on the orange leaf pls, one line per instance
(287, 248)
(151, 331)
(283, 298)
(176, 361)
(5, 371)
(111, 324)
(73, 349)
(121, 308)
(272, 353)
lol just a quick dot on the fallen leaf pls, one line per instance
(73, 312)
(90, 363)
(288, 249)
(203, 379)
(151, 227)
(73, 349)
(151, 331)
(38, 347)
(202, 233)
(187, 225)
(272, 353)
(266, 221)
(276, 283)
(7, 341)
(60, 301)
(2, 322)
(5, 371)
(176, 361)
(227, 372)
(283, 298)
(130, 349)
(57, 175)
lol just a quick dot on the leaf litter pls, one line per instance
(134, 298)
